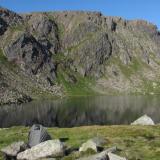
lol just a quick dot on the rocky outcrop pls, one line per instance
(30, 55)
(9, 17)
(45, 30)
(92, 55)
(3, 26)
(55, 52)
(144, 120)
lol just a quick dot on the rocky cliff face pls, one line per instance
(59, 53)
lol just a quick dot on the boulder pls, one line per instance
(13, 149)
(115, 157)
(144, 120)
(94, 144)
(105, 155)
(100, 156)
(47, 149)
(37, 135)
(88, 145)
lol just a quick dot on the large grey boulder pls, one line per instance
(37, 134)
(13, 149)
(144, 120)
(47, 149)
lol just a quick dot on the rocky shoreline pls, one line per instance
(15, 100)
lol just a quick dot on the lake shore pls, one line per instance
(133, 142)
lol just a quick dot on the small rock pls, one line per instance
(104, 156)
(13, 149)
(115, 157)
(47, 149)
(144, 120)
(48, 159)
(99, 141)
(93, 144)
(100, 156)
(88, 145)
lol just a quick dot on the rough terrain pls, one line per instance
(76, 53)
(133, 142)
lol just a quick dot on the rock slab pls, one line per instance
(144, 120)
(47, 149)
(115, 157)
(13, 149)
(105, 155)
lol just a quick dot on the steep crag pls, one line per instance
(51, 54)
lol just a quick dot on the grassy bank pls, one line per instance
(134, 142)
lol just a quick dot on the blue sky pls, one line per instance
(129, 9)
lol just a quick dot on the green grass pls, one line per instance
(150, 86)
(134, 142)
(128, 70)
(15, 28)
(3, 59)
(81, 87)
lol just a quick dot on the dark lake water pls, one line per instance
(77, 111)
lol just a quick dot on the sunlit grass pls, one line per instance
(134, 142)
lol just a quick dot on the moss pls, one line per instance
(133, 142)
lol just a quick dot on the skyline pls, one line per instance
(133, 9)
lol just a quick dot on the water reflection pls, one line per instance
(69, 112)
